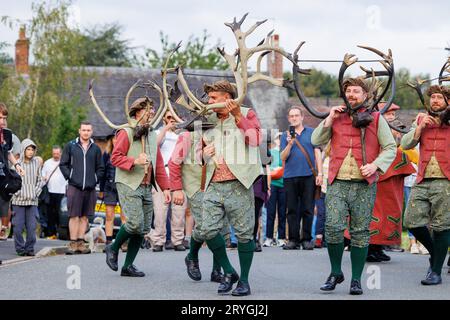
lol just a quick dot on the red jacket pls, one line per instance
(345, 136)
(434, 139)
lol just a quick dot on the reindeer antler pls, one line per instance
(388, 64)
(130, 122)
(238, 63)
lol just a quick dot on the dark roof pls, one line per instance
(112, 84)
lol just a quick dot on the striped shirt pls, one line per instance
(31, 184)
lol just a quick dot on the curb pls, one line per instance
(44, 252)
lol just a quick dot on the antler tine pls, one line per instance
(298, 49)
(443, 69)
(236, 25)
(387, 57)
(377, 73)
(296, 86)
(99, 110)
(252, 28)
(388, 64)
(418, 88)
(127, 98)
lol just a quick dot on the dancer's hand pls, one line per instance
(167, 197)
(178, 197)
(368, 170)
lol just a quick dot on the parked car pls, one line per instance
(100, 208)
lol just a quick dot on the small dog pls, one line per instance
(96, 236)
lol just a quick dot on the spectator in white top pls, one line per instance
(167, 139)
(56, 184)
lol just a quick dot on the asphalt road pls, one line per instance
(276, 274)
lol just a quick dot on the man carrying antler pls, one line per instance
(353, 171)
(429, 202)
(233, 164)
(137, 170)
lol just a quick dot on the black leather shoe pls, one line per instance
(179, 247)
(168, 245)
(111, 258)
(216, 276)
(30, 254)
(332, 281)
(382, 256)
(193, 270)
(307, 245)
(131, 271)
(258, 246)
(242, 289)
(355, 288)
(432, 279)
(227, 283)
(372, 257)
(291, 245)
(157, 248)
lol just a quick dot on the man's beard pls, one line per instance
(139, 131)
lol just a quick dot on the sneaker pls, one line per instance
(21, 253)
(53, 237)
(414, 249)
(281, 243)
(267, 243)
(258, 246)
(423, 250)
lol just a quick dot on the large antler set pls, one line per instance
(238, 63)
(164, 101)
(374, 96)
(418, 87)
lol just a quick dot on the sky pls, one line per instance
(416, 31)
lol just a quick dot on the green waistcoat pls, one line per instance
(134, 177)
(191, 171)
(243, 160)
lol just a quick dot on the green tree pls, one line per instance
(5, 60)
(405, 96)
(103, 46)
(317, 84)
(195, 54)
(41, 106)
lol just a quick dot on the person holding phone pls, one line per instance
(302, 173)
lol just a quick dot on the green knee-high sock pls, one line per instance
(441, 241)
(335, 252)
(194, 248)
(422, 234)
(217, 246)
(133, 247)
(245, 251)
(121, 237)
(216, 264)
(358, 257)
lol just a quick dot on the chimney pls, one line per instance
(275, 59)
(22, 52)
